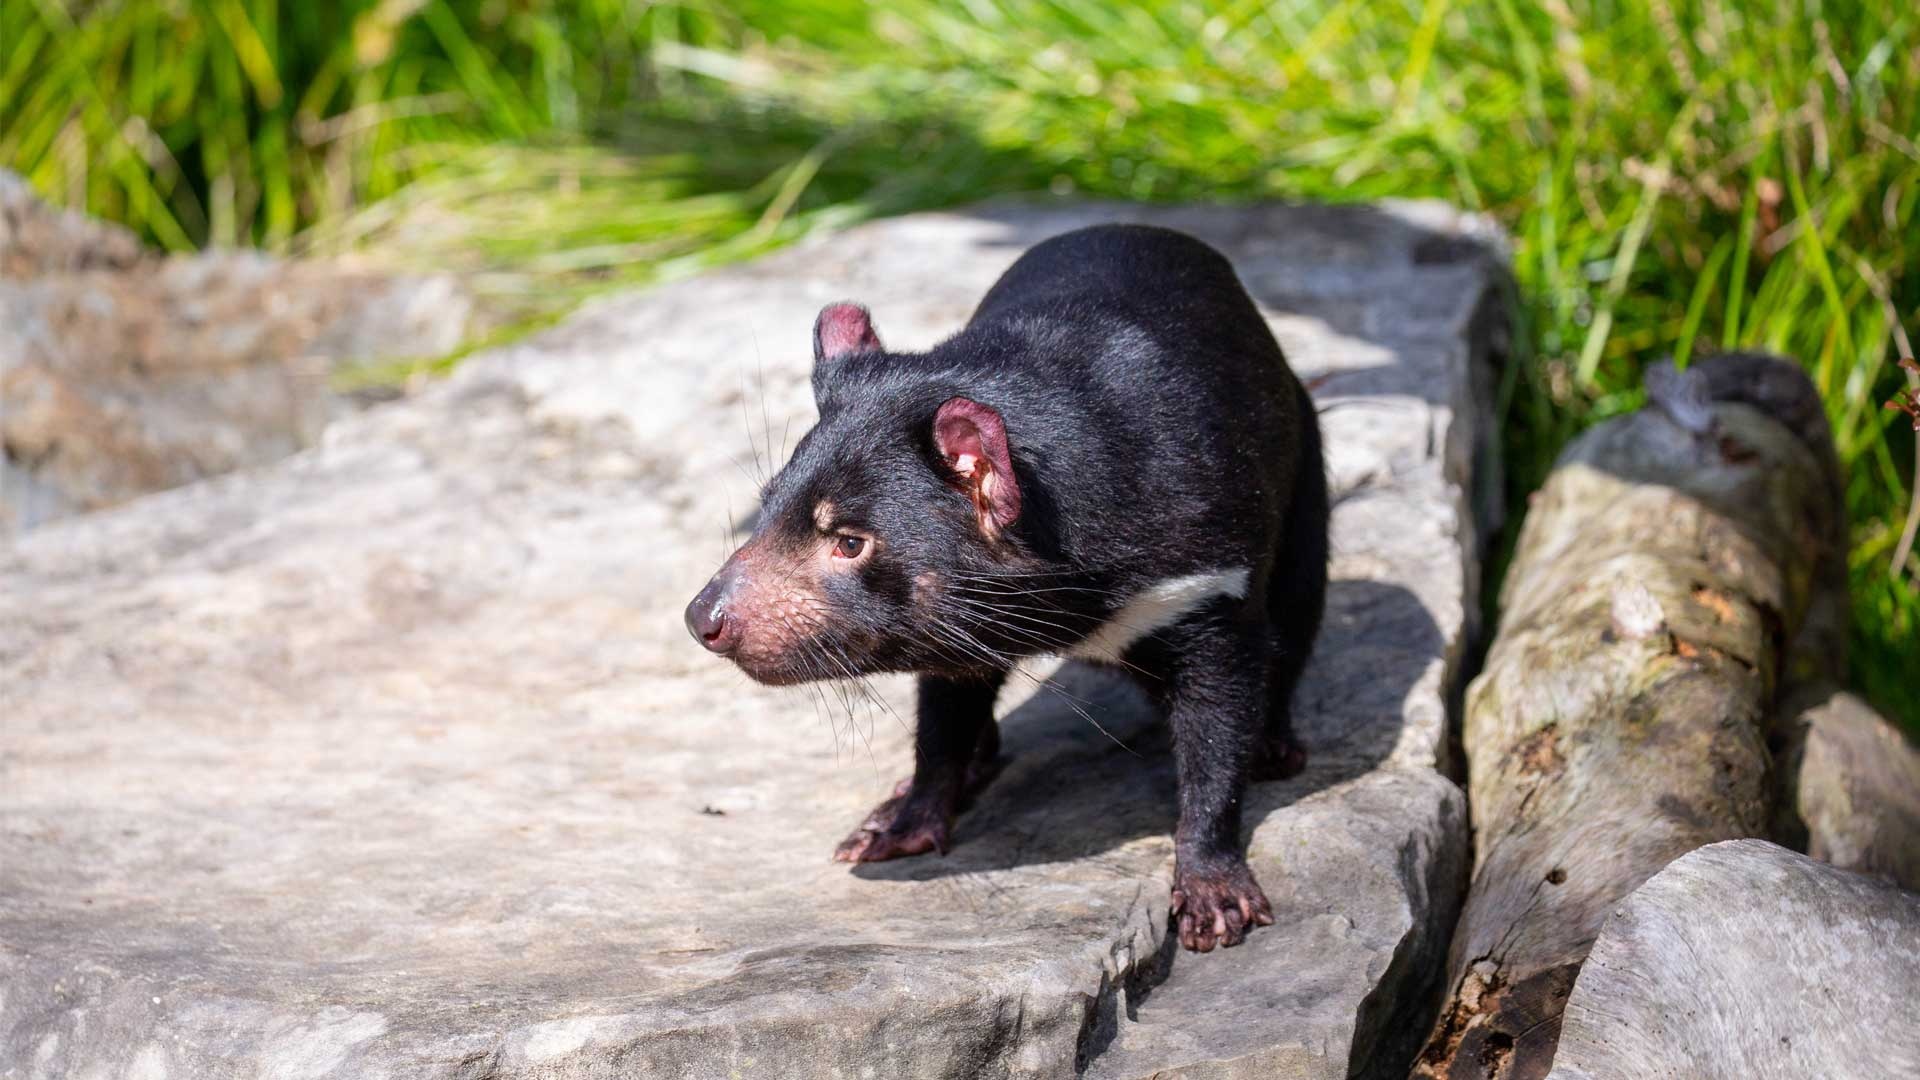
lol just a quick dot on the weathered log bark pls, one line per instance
(1622, 715)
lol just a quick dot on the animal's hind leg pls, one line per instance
(1295, 599)
(1279, 754)
(1294, 612)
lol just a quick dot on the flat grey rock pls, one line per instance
(394, 760)
(1747, 961)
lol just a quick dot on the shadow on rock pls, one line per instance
(1089, 768)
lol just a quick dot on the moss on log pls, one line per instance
(1622, 716)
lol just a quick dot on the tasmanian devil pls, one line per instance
(1111, 462)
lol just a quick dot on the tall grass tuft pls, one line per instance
(242, 121)
(1679, 176)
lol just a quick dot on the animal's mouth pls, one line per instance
(775, 673)
(815, 658)
(788, 666)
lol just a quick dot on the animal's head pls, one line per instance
(900, 495)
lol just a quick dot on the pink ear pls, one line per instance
(973, 439)
(841, 329)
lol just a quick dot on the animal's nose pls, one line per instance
(708, 619)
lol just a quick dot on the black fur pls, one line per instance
(1156, 431)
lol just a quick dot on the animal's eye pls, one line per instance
(849, 547)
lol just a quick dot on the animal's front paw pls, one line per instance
(901, 826)
(1217, 905)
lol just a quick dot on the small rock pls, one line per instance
(1859, 789)
(1745, 961)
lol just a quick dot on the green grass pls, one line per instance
(1679, 176)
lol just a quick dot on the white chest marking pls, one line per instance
(1156, 607)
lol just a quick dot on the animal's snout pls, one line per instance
(759, 628)
(708, 619)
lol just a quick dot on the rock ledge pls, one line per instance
(392, 760)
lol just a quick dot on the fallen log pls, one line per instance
(1622, 715)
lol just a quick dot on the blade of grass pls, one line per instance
(1697, 304)
(1730, 335)
(1636, 234)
